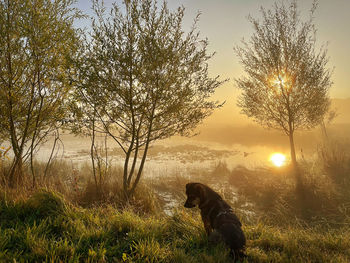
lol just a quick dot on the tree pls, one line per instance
(287, 80)
(37, 38)
(144, 79)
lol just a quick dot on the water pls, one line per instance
(165, 155)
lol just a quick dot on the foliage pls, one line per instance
(142, 79)
(287, 80)
(36, 40)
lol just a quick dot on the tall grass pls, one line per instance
(47, 228)
(325, 198)
(67, 219)
(334, 156)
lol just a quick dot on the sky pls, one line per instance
(225, 24)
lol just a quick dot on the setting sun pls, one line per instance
(278, 159)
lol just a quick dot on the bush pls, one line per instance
(46, 204)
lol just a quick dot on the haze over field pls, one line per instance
(228, 126)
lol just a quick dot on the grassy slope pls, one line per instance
(45, 228)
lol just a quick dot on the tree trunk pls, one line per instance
(92, 155)
(139, 172)
(148, 140)
(292, 150)
(296, 171)
(138, 176)
(32, 167)
(133, 163)
(125, 173)
(57, 137)
(126, 165)
(15, 175)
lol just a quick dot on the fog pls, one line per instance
(223, 137)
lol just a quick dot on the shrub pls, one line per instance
(46, 204)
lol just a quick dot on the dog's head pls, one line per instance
(195, 194)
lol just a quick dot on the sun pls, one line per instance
(278, 159)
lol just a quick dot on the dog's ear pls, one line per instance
(201, 190)
(189, 185)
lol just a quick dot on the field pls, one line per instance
(45, 228)
(67, 220)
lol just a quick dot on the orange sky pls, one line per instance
(225, 23)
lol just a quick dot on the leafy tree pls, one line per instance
(144, 79)
(287, 81)
(36, 39)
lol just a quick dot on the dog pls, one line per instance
(218, 217)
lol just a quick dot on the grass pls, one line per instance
(271, 193)
(46, 228)
(73, 222)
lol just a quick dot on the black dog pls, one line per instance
(217, 216)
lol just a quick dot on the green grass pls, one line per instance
(46, 228)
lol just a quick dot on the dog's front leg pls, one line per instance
(207, 226)
(206, 222)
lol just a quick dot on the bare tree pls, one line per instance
(287, 81)
(146, 79)
(36, 38)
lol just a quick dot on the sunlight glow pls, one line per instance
(278, 159)
(279, 81)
